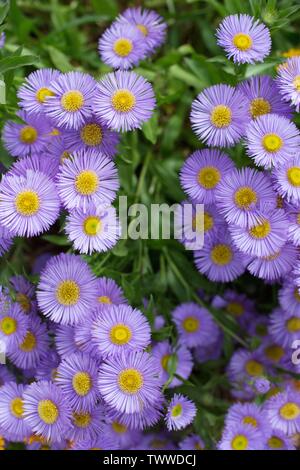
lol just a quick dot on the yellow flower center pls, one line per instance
(29, 343)
(235, 309)
(48, 411)
(296, 293)
(42, 94)
(104, 299)
(293, 324)
(242, 41)
(296, 83)
(120, 334)
(259, 107)
(24, 302)
(92, 226)
(239, 442)
(72, 101)
(191, 324)
(68, 292)
(86, 182)
(130, 381)
(164, 361)
(289, 411)
(208, 222)
(91, 134)
(28, 135)
(143, 29)
(16, 407)
(274, 352)
(261, 230)
(275, 442)
(82, 420)
(293, 175)
(254, 368)
(221, 254)
(176, 410)
(272, 142)
(221, 116)
(82, 383)
(244, 197)
(123, 47)
(27, 203)
(250, 420)
(2, 443)
(8, 325)
(118, 427)
(123, 101)
(209, 177)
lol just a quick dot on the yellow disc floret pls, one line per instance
(191, 324)
(259, 107)
(221, 116)
(42, 94)
(82, 383)
(242, 41)
(122, 47)
(72, 101)
(68, 292)
(48, 411)
(28, 135)
(8, 325)
(130, 381)
(91, 134)
(123, 101)
(272, 143)
(209, 177)
(27, 203)
(221, 254)
(120, 334)
(245, 197)
(87, 182)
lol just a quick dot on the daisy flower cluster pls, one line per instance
(251, 222)
(65, 138)
(82, 371)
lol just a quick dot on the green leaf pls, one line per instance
(59, 240)
(13, 62)
(4, 7)
(151, 129)
(59, 59)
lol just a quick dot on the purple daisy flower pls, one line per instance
(287, 180)
(101, 442)
(24, 293)
(262, 385)
(241, 437)
(273, 353)
(220, 260)
(40, 262)
(122, 46)
(179, 359)
(271, 140)
(87, 178)
(264, 237)
(124, 436)
(130, 382)
(71, 103)
(77, 376)
(120, 328)
(283, 411)
(36, 90)
(238, 306)
(67, 290)
(29, 204)
(289, 81)
(139, 420)
(93, 134)
(195, 325)
(12, 421)
(46, 410)
(279, 441)
(47, 165)
(58, 149)
(180, 413)
(83, 334)
(284, 327)
(220, 115)
(13, 326)
(211, 352)
(156, 441)
(263, 95)
(241, 193)
(33, 348)
(149, 23)
(6, 240)
(47, 369)
(65, 341)
(202, 174)
(244, 39)
(192, 442)
(96, 229)
(289, 297)
(29, 138)
(109, 292)
(245, 365)
(275, 266)
(124, 100)
(293, 214)
(86, 424)
(248, 413)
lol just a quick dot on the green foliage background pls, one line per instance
(64, 35)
